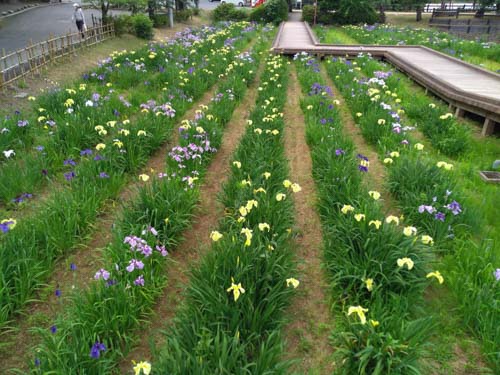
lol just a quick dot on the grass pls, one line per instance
(404, 19)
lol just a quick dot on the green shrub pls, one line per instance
(354, 12)
(183, 15)
(143, 26)
(160, 20)
(123, 24)
(273, 11)
(308, 13)
(228, 12)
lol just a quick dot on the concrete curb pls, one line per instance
(35, 6)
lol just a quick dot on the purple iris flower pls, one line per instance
(87, 151)
(53, 329)
(103, 175)
(139, 281)
(454, 207)
(363, 168)
(339, 152)
(58, 293)
(97, 348)
(69, 176)
(102, 274)
(163, 251)
(440, 216)
(69, 162)
(362, 157)
(22, 123)
(422, 208)
(5, 227)
(496, 273)
(135, 264)
(37, 362)
(72, 267)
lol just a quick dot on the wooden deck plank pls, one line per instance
(458, 82)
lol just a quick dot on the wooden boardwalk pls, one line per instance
(464, 86)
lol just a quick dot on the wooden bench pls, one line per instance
(445, 13)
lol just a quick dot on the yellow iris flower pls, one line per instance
(293, 282)
(405, 261)
(280, 197)
(410, 231)
(296, 188)
(264, 226)
(359, 217)
(259, 190)
(392, 219)
(374, 194)
(376, 223)
(427, 240)
(419, 146)
(237, 289)
(346, 208)
(143, 366)
(437, 275)
(360, 311)
(369, 284)
(248, 233)
(215, 236)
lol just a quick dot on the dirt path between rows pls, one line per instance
(310, 319)
(196, 240)
(377, 175)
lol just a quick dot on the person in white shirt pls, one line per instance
(80, 19)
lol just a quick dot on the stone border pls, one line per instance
(27, 7)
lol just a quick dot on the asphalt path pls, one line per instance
(38, 23)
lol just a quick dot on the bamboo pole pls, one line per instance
(1, 70)
(29, 51)
(20, 62)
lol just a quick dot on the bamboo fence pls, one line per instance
(31, 59)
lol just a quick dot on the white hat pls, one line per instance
(76, 5)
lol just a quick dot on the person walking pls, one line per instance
(80, 19)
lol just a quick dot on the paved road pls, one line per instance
(38, 23)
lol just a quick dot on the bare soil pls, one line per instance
(310, 324)
(376, 177)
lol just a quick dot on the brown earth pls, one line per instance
(310, 324)
(376, 177)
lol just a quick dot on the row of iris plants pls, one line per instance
(473, 51)
(102, 322)
(230, 321)
(29, 249)
(445, 133)
(68, 120)
(431, 197)
(379, 266)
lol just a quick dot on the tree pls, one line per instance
(104, 5)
